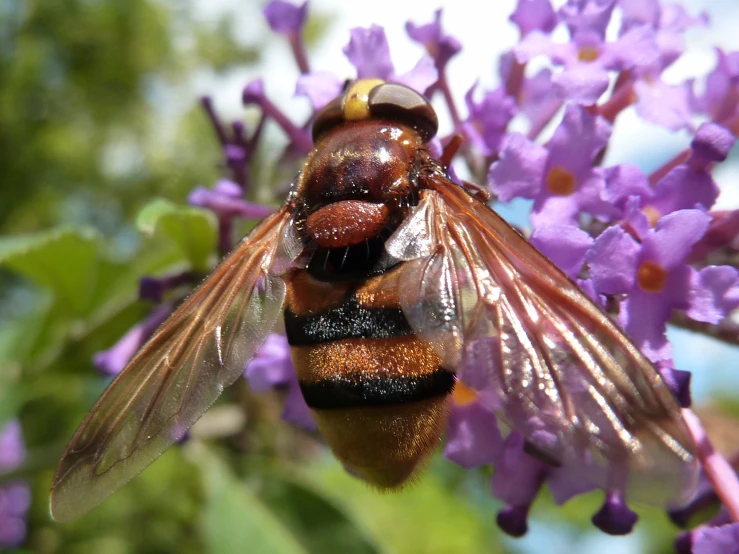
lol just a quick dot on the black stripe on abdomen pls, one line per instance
(341, 392)
(349, 321)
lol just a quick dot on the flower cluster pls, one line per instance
(647, 246)
(15, 496)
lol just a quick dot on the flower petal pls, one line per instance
(12, 447)
(612, 261)
(644, 316)
(714, 293)
(564, 245)
(718, 540)
(473, 438)
(422, 76)
(517, 477)
(531, 15)
(369, 52)
(520, 169)
(671, 241)
(272, 365)
(320, 87)
(286, 18)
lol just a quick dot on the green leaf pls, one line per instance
(317, 521)
(423, 517)
(10, 394)
(65, 261)
(234, 520)
(192, 230)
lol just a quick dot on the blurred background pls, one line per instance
(99, 115)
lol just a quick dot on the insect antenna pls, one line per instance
(325, 259)
(343, 259)
(310, 257)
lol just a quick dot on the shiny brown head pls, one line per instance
(374, 98)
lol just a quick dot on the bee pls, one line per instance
(395, 284)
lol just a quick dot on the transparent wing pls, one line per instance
(563, 374)
(203, 347)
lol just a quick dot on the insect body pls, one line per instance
(394, 283)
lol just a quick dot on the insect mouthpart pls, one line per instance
(346, 223)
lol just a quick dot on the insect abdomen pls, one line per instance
(377, 392)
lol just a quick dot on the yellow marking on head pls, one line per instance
(356, 99)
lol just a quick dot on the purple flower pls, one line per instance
(15, 499)
(236, 147)
(516, 481)
(678, 381)
(225, 199)
(690, 185)
(615, 517)
(587, 16)
(272, 367)
(718, 540)
(712, 143)
(439, 46)
(668, 105)
(154, 288)
(319, 87)
(721, 233)
(288, 20)
(487, 123)
(663, 104)
(560, 178)
(626, 187)
(564, 245)
(253, 93)
(536, 101)
(588, 59)
(473, 438)
(369, 53)
(534, 15)
(652, 274)
(285, 18)
(714, 292)
(720, 100)
(12, 448)
(113, 360)
(15, 496)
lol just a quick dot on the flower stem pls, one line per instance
(225, 235)
(207, 104)
(301, 57)
(622, 98)
(726, 331)
(660, 172)
(443, 86)
(514, 82)
(299, 137)
(716, 468)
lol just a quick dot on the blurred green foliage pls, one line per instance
(101, 138)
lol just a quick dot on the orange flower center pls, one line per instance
(652, 215)
(463, 395)
(560, 181)
(588, 54)
(651, 276)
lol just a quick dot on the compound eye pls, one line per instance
(330, 116)
(395, 101)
